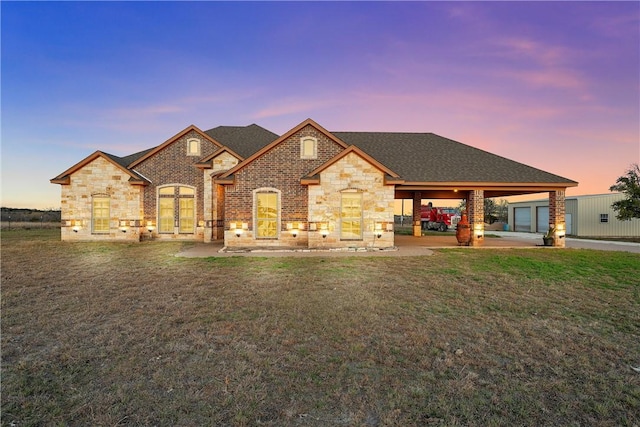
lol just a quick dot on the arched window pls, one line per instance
(267, 210)
(193, 147)
(308, 147)
(351, 215)
(176, 209)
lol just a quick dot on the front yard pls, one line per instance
(127, 334)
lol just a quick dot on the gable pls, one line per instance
(117, 162)
(353, 152)
(196, 134)
(286, 149)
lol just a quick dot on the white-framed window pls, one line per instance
(604, 218)
(100, 214)
(308, 147)
(193, 147)
(267, 208)
(176, 209)
(351, 215)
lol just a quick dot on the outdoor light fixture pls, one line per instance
(150, 227)
(123, 226)
(324, 233)
(238, 227)
(75, 228)
(294, 232)
(479, 230)
(560, 231)
(378, 230)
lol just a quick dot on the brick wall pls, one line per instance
(172, 165)
(280, 168)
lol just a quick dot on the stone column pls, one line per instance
(557, 216)
(475, 206)
(417, 200)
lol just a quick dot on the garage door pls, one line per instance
(542, 219)
(522, 219)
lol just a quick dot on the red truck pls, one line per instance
(441, 219)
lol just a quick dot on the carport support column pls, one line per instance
(475, 206)
(417, 200)
(556, 216)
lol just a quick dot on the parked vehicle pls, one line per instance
(435, 218)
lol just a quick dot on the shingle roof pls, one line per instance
(427, 157)
(244, 140)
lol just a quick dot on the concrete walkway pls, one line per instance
(416, 246)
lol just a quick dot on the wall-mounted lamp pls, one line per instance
(294, 232)
(238, 227)
(123, 226)
(324, 233)
(478, 230)
(150, 228)
(76, 228)
(560, 231)
(378, 230)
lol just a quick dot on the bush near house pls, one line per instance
(127, 334)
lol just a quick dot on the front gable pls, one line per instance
(290, 149)
(187, 137)
(389, 176)
(132, 177)
(220, 161)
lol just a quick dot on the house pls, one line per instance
(585, 216)
(308, 188)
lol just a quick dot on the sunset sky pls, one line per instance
(554, 85)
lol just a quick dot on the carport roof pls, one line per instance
(430, 158)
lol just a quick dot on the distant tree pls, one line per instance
(629, 185)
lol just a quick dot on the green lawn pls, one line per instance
(127, 334)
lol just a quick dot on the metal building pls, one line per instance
(585, 216)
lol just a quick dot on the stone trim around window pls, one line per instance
(193, 147)
(308, 147)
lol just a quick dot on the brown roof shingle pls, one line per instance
(427, 157)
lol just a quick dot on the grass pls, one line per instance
(126, 334)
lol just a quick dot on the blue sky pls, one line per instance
(553, 84)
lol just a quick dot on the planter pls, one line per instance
(463, 231)
(548, 241)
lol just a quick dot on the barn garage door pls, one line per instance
(522, 219)
(542, 219)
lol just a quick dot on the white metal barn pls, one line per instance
(585, 216)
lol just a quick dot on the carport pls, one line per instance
(441, 168)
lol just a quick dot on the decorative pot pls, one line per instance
(463, 231)
(548, 241)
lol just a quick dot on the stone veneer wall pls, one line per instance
(212, 201)
(101, 178)
(172, 165)
(351, 172)
(280, 168)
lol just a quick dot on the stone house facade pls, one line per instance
(309, 188)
